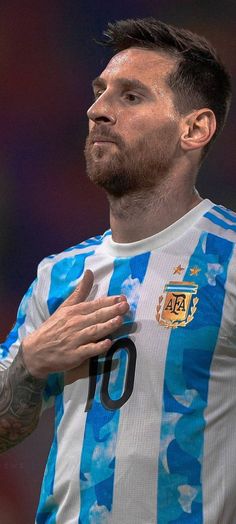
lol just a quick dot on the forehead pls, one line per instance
(146, 65)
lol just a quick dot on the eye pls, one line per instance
(97, 93)
(132, 97)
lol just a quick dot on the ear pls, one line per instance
(198, 129)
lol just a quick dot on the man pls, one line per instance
(144, 430)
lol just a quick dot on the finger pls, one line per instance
(74, 366)
(98, 331)
(91, 350)
(82, 290)
(86, 308)
(99, 316)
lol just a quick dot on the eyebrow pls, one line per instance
(127, 83)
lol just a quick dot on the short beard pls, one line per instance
(132, 168)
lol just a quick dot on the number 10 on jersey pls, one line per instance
(118, 366)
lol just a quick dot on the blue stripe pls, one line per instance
(99, 446)
(54, 385)
(186, 382)
(187, 289)
(230, 215)
(48, 508)
(93, 241)
(21, 316)
(64, 276)
(219, 222)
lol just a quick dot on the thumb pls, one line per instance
(82, 291)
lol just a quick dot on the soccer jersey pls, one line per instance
(146, 433)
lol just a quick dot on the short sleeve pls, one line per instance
(32, 312)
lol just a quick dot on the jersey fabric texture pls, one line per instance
(146, 433)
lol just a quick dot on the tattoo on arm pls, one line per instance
(20, 403)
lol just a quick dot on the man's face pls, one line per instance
(134, 128)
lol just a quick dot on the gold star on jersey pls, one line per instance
(194, 270)
(178, 270)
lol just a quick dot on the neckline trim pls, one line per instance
(160, 239)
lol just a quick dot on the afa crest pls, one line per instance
(178, 305)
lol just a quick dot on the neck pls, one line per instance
(140, 215)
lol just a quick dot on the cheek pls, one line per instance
(152, 134)
(133, 127)
(145, 134)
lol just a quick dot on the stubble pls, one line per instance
(122, 169)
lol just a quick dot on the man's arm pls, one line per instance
(20, 403)
(76, 331)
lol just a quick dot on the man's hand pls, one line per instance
(75, 332)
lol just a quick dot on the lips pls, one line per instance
(102, 139)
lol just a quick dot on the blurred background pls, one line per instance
(47, 61)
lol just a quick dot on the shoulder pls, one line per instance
(77, 253)
(221, 222)
(61, 272)
(58, 274)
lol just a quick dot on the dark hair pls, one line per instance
(199, 80)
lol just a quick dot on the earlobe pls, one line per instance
(198, 129)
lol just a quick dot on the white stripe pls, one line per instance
(135, 490)
(222, 217)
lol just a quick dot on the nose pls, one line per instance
(102, 111)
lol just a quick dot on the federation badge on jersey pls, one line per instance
(177, 306)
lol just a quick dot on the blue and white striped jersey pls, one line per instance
(146, 434)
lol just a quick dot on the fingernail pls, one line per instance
(121, 298)
(122, 305)
(105, 343)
